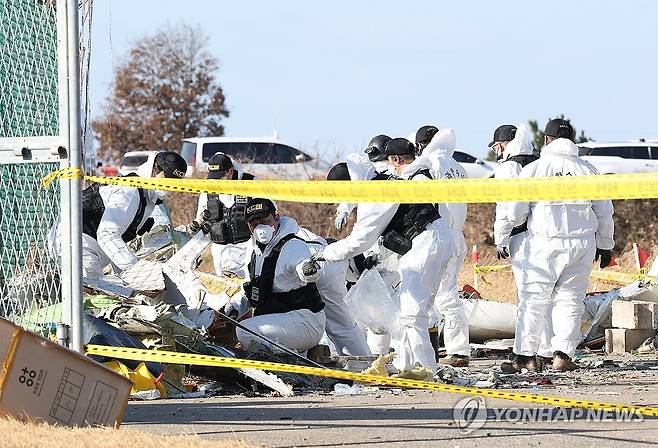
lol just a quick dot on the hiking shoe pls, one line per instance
(456, 360)
(519, 363)
(563, 363)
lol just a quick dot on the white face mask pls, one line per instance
(263, 233)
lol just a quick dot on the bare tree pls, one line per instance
(164, 91)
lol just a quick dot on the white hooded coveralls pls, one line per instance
(298, 329)
(443, 166)
(121, 206)
(341, 328)
(558, 253)
(508, 169)
(226, 257)
(420, 271)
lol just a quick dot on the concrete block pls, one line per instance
(634, 315)
(622, 340)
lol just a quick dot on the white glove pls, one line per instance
(341, 220)
(237, 306)
(309, 271)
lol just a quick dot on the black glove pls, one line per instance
(502, 253)
(604, 256)
(370, 262)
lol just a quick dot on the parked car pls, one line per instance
(263, 157)
(133, 159)
(616, 158)
(475, 168)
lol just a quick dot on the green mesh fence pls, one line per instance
(29, 108)
(28, 68)
(29, 275)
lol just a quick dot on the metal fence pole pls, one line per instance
(75, 156)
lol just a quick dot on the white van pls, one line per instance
(134, 159)
(265, 157)
(638, 156)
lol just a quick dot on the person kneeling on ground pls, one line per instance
(280, 284)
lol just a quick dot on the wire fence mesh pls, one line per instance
(28, 68)
(30, 292)
(29, 276)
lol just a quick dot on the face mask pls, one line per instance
(263, 233)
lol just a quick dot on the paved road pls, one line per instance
(386, 418)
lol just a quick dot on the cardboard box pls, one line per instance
(43, 381)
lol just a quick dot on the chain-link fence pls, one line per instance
(33, 126)
(28, 68)
(29, 276)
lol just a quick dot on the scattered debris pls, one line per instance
(378, 366)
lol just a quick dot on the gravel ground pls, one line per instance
(422, 418)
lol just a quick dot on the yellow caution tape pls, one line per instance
(611, 276)
(493, 268)
(614, 186)
(216, 361)
(620, 277)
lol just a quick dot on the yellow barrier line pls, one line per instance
(613, 276)
(217, 361)
(614, 186)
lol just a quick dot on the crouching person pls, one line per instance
(280, 284)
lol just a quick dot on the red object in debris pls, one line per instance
(543, 382)
(613, 262)
(642, 256)
(470, 290)
(474, 255)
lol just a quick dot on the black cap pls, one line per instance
(504, 133)
(375, 149)
(400, 146)
(339, 172)
(559, 128)
(258, 208)
(218, 164)
(171, 164)
(425, 133)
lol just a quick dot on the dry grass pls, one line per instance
(27, 435)
(503, 289)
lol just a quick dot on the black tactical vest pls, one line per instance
(408, 222)
(523, 160)
(93, 209)
(265, 301)
(227, 224)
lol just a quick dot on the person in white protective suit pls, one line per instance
(514, 150)
(280, 285)
(343, 331)
(221, 218)
(564, 238)
(438, 146)
(376, 154)
(113, 215)
(421, 240)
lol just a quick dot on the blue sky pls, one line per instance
(333, 74)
